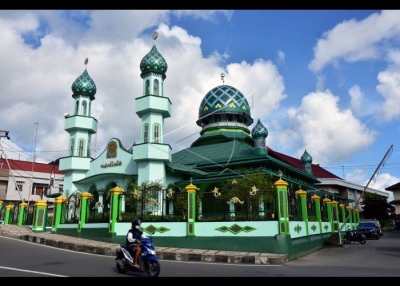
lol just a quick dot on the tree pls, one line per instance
(375, 207)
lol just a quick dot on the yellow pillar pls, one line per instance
(335, 216)
(317, 201)
(7, 214)
(304, 214)
(21, 216)
(40, 216)
(282, 206)
(191, 208)
(115, 207)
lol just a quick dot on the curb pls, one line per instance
(177, 254)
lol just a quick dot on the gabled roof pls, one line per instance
(225, 159)
(317, 171)
(27, 166)
(393, 187)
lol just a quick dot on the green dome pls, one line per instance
(224, 99)
(306, 158)
(153, 62)
(259, 131)
(84, 85)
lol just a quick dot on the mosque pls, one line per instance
(225, 149)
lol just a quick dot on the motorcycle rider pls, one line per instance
(133, 240)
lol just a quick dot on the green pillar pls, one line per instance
(1, 204)
(335, 216)
(317, 202)
(7, 214)
(39, 218)
(282, 206)
(21, 215)
(191, 208)
(343, 214)
(114, 209)
(84, 209)
(58, 210)
(327, 201)
(350, 220)
(303, 201)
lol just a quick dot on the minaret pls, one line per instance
(152, 107)
(80, 125)
(306, 160)
(259, 133)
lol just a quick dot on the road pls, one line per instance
(376, 258)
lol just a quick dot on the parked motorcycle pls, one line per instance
(354, 236)
(148, 261)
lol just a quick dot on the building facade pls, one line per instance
(24, 181)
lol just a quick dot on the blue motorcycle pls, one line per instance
(148, 260)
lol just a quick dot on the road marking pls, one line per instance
(29, 271)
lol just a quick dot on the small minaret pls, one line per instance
(81, 126)
(306, 160)
(152, 107)
(259, 133)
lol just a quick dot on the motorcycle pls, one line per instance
(354, 236)
(148, 260)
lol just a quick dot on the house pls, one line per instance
(24, 181)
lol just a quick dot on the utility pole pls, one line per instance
(33, 163)
(8, 164)
(384, 159)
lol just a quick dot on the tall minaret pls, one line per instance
(152, 107)
(80, 125)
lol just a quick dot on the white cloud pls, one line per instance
(329, 134)
(389, 88)
(37, 81)
(378, 182)
(357, 98)
(280, 57)
(356, 40)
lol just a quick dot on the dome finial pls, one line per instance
(222, 78)
(154, 36)
(86, 62)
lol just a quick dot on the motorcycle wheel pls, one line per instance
(153, 268)
(363, 240)
(120, 269)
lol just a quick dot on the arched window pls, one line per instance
(146, 133)
(81, 145)
(71, 149)
(76, 107)
(147, 91)
(156, 133)
(84, 108)
(156, 87)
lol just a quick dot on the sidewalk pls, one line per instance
(163, 253)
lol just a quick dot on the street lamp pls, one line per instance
(280, 173)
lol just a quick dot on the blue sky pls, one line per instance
(325, 81)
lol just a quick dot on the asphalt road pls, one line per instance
(376, 258)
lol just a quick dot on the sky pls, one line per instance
(325, 81)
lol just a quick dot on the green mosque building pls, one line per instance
(225, 150)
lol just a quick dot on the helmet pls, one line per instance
(136, 222)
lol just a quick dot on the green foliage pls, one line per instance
(49, 221)
(375, 207)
